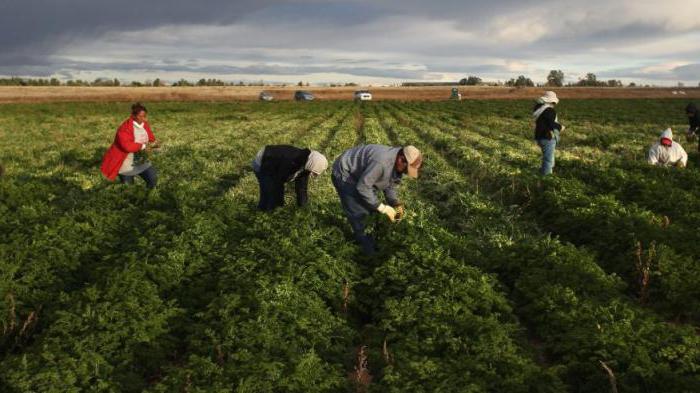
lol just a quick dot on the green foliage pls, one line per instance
(470, 81)
(521, 81)
(496, 281)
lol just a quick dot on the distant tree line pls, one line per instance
(555, 78)
(14, 81)
(109, 82)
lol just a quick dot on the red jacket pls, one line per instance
(121, 147)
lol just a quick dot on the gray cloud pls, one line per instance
(32, 22)
(391, 39)
(46, 69)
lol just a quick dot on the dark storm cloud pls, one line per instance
(39, 23)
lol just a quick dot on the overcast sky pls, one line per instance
(379, 41)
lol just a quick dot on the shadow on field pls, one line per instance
(231, 180)
(80, 159)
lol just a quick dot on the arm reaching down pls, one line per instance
(301, 185)
(653, 155)
(365, 185)
(683, 156)
(392, 196)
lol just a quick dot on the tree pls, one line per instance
(157, 83)
(555, 78)
(300, 84)
(182, 82)
(522, 81)
(590, 80)
(103, 82)
(470, 81)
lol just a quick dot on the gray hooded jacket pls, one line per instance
(371, 169)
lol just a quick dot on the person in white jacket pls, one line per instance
(666, 152)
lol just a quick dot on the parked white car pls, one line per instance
(266, 96)
(363, 95)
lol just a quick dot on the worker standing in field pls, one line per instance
(547, 129)
(693, 122)
(361, 172)
(666, 152)
(276, 165)
(126, 156)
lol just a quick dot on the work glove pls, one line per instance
(387, 211)
(400, 211)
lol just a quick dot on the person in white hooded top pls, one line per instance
(666, 152)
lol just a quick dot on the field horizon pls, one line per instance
(36, 94)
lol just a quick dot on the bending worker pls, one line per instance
(275, 165)
(359, 173)
(666, 152)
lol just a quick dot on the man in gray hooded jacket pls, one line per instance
(361, 172)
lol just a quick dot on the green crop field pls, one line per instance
(497, 280)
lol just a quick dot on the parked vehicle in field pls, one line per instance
(456, 95)
(303, 96)
(363, 95)
(266, 96)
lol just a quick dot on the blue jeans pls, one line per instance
(548, 147)
(356, 211)
(271, 192)
(149, 175)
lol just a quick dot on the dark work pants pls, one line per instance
(271, 192)
(356, 211)
(150, 176)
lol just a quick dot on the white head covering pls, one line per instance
(549, 97)
(667, 133)
(316, 163)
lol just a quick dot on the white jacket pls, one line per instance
(667, 155)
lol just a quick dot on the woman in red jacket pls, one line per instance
(126, 158)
